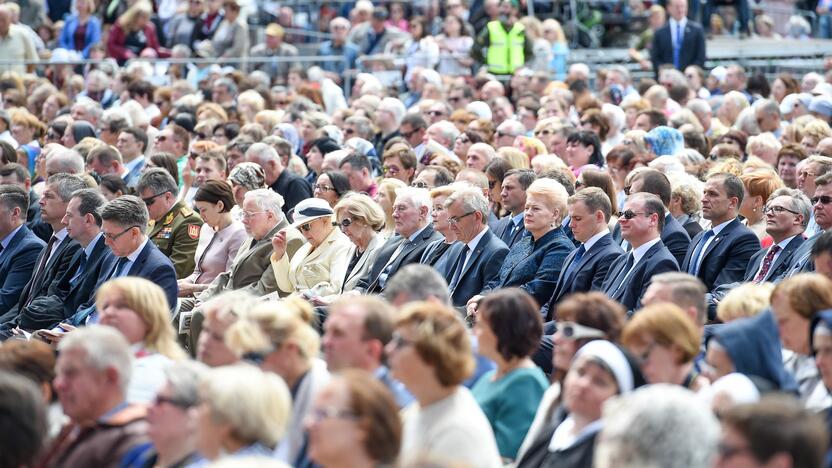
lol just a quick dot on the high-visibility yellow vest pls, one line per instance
(505, 50)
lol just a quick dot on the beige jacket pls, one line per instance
(316, 273)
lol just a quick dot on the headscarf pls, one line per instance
(626, 373)
(82, 129)
(665, 140)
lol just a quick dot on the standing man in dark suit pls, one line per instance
(680, 42)
(586, 267)
(414, 231)
(510, 228)
(721, 254)
(629, 276)
(124, 223)
(290, 186)
(55, 259)
(19, 247)
(478, 254)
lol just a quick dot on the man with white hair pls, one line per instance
(414, 231)
(86, 109)
(65, 160)
(388, 117)
(93, 372)
(508, 131)
(289, 185)
(479, 156)
(577, 72)
(443, 132)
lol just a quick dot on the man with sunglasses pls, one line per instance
(801, 260)
(175, 227)
(630, 274)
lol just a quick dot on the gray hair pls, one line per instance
(115, 120)
(183, 380)
(417, 197)
(65, 185)
(699, 106)
(419, 282)
(158, 181)
(769, 106)
(90, 202)
(395, 107)
(248, 175)
(686, 291)
(363, 126)
(228, 83)
(659, 426)
(90, 106)
(263, 153)
(449, 130)
(799, 202)
(66, 160)
(471, 198)
(126, 210)
(104, 347)
(267, 200)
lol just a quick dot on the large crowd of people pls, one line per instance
(504, 261)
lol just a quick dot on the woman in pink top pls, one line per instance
(219, 239)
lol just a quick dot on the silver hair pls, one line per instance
(449, 130)
(799, 202)
(420, 283)
(699, 106)
(262, 153)
(65, 185)
(417, 197)
(158, 181)
(126, 211)
(363, 126)
(267, 200)
(183, 380)
(471, 198)
(104, 348)
(659, 426)
(90, 107)
(66, 160)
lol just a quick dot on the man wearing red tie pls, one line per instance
(679, 42)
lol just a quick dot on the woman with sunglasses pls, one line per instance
(581, 318)
(666, 341)
(464, 141)
(319, 266)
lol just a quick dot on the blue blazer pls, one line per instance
(534, 266)
(692, 51)
(411, 254)
(727, 256)
(17, 263)
(153, 265)
(589, 275)
(483, 267)
(92, 35)
(503, 229)
(656, 260)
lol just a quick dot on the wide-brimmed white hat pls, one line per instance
(310, 209)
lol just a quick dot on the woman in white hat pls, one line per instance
(319, 266)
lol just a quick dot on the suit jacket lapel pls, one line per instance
(784, 257)
(728, 229)
(371, 247)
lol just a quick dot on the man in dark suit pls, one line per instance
(290, 186)
(721, 254)
(801, 260)
(19, 247)
(630, 274)
(15, 174)
(515, 183)
(674, 236)
(679, 42)
(123, 224)
(478, 255)
(787, 214)
(55, 259)
(414, 231)
(586, 267)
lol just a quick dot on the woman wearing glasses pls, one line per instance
(331, 186)
(318, 267)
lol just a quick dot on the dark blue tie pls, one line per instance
(119, 266)
(622, 274)
(459, 266)
(693, 266)
(574, 265)
(677, 47)
(80, 271)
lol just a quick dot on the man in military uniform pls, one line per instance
(174, 227)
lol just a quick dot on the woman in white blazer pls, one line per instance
(318, 267)
(361, 219)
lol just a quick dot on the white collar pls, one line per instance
(135, 254)
(472, 244)
(639, 251)
(718, 228)
(592, 240)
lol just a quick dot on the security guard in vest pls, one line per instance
(174, 227)
(502, 45)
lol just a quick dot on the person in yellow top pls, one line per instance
(502, 45)
(174, 227)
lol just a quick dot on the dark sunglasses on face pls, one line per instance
(345, 223)
(305, 227)
(419, 184)
(823, 199)
(575, 331)
(630, 214)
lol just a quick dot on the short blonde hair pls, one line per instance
(746, 300)
(516, 158)
(441, 341)
(552, 192)
(807, 293)
(668, 326)
(362, 208)
(256, 404)
(271, 324)
(818, 129)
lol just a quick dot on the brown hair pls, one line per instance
(807, 293)
(514, 318)
(594, 310)
(668, 326)
(215, 191)
(376, 412)
(34, 360)
(602, 180)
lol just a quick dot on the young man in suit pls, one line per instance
(19, 247)
(515, 183)
(721, 254)
(674, 236)
(629, 276)
(478, 255)
(585, 268)
(680, 42)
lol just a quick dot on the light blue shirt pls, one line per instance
(131, 259)
(8, 239)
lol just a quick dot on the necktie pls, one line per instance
(693, 267)
(767, 261)
(574, 265)
(382, 277)
(119, 266)
(39, 272)
(81, 265)
(622, 275)
(677, 47)
(460, 264)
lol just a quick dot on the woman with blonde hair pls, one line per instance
(139, 309)
(553, 32)
(28, 131)
(759, 185)
(667, 341)
(813, 133)
(515, 157)
(134, 35)
(531, 146)
(249, 103)
(385, 197)
(278, 337)
(746, 300)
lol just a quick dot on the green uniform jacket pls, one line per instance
(176, 234)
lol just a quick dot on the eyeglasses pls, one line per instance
(251, 214)
(399, 342)
(114, 237)
(286, 102)
(149, 200)
(436, 112)
(323, 188)
(501, 134)
(576, 331)
(778, 209)
(345, 223)
(630, 214)
(411, 133)
(627, 189)
(454, 98)
(806, 174)
(456, 219)
(160, 400)
(161, 138)
(419, 184)
(348, 131)
(202, 136)
(305, 227)
(823, 200)
(319, 414)
(463, 140)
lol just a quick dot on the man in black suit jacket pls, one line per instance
(478, 254)
(510, 228)
(55, 259)
(414, 231)
(630, 274)
(667, 49)
(586, 267)
(20, 247)
(721, 254)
